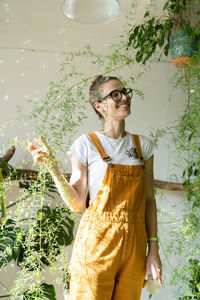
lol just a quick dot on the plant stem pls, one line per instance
(78, 83)
(188, 114)
(2, 195)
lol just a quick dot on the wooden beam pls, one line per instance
(170, 186)
(9, 154)
(31, 174)
(165, 185)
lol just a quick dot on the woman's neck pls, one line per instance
(114, 129)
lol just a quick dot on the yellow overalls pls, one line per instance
(108, 259)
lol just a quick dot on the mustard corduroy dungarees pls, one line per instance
(108, 259)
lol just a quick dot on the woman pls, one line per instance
(109, 257)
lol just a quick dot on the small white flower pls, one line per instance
(6, 97)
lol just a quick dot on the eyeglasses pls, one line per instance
(117, 95)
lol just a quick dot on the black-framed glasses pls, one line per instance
(117, 95)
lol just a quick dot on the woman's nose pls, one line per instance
(125, 96)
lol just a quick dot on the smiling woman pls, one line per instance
(103, 89)
(109, 258)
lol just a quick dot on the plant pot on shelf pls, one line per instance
(183, 47)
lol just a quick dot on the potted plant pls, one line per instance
(177, 24)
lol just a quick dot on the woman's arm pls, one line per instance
(151, 221)
(73, 193)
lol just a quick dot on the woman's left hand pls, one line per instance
(154, 258)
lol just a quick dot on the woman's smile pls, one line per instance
(123, 105)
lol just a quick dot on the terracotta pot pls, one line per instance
(183, 47)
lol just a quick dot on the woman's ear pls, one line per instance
(99, 107)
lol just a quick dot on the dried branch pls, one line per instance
(9, 154)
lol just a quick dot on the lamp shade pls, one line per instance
(91, 11)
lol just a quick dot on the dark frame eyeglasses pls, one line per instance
(116, 95)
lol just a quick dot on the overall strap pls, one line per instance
(103, 155)
(99, 147)
(138, 148)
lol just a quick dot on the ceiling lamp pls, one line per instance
(91, 11)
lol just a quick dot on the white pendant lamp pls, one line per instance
(91, 11)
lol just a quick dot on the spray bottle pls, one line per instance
(153, 285)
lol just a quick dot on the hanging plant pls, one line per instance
(183, 48)
(156, 31)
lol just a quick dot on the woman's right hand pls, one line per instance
(39, 154)
(43, 154)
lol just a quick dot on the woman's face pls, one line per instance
(108, 107)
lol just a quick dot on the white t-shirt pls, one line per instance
(121, 151)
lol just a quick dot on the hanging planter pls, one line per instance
(183, 47)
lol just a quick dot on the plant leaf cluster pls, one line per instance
(185, 136)
(36, 240)
(156, 31)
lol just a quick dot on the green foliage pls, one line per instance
(9, 242)
(155, 32)
(191, 278)
(53, 228)
(184, 135)
(34, 234)
(46, 291)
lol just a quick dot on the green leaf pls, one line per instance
(139, 56)
(147, 14)
(54, 222)
(9, 244)
(48, 292)
(166, 49)
(134, 34)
